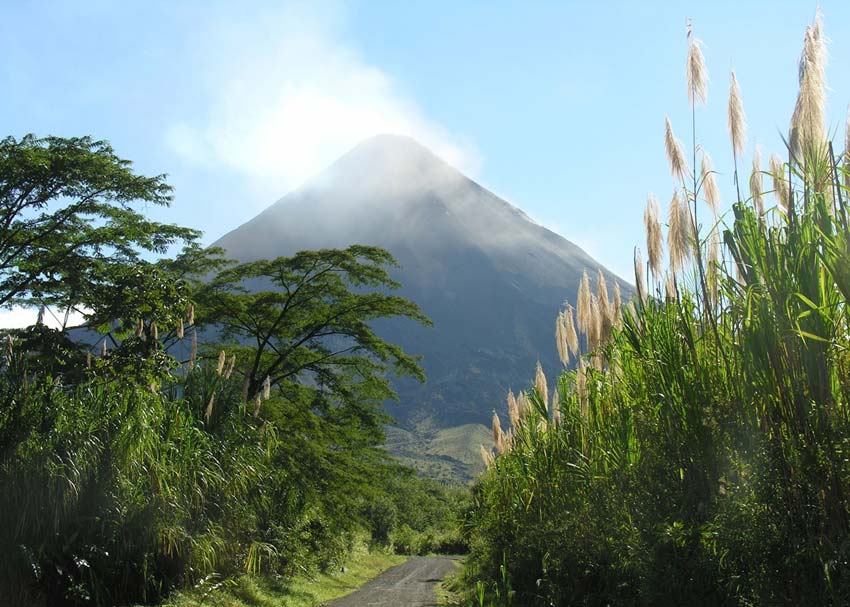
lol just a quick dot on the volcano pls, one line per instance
(490, 278)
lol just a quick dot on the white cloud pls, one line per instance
(288, 96)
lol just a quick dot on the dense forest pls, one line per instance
(698, 452)
(207, 418)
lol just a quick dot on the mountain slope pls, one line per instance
(491, 279)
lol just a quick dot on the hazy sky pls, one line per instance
(556, 106)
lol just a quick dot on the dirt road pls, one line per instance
(411, 584)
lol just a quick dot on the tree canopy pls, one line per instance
(305, 321)
(69, 224)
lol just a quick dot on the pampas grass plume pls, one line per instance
(208, 412)
(677, 233)
(756, 185)
(540, 384)
(780, 186)
(228, 371)
(640, 279)
(697, 73)
(675, 154)
(807, 121)
(652, 227)
(710, 191)
(561, 339)
(736, 120)
(583, 312)
(570, 330)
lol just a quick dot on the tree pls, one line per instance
(68, 228)
(303, 321)
(302, 326)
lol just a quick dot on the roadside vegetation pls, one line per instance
(207, 420)
(697, 454)
(303, 590)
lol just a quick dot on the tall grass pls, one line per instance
(700, 454)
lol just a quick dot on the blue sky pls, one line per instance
(556, 106)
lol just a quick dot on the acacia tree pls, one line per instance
(301, 328)
(305, 320)
(68, 223)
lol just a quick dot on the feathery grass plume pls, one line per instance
(509, 439)
(780, 186)
(675, 154)
(228, 371)
(190, 315)
(602, 289)
(209, 410)
(847, 150)
(583, 310)
(267, 388)
(756, 185)
(697, 73)
(513, 410)
(652, 226)
(88, 360)
(570, 330)
(219, 368)
(807, 121)
(617, 309)
(597, 362)
(736, 119)
(102, 346)
(180, 329)
(556, 408)
(606, 312)
(140, 328)
(561, 339)
(487, 457)
(523, 405)
(640, 281)
(257, 403)
(193, 350)
(497, 429)
(154, 331)
(710, 191)
(581, 388)
(677, 233)
(594, 326)
(540, 384)
(713, 269)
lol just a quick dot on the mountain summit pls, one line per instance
(490, 278)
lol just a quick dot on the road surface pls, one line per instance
(411, 584)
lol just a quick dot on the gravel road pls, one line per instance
(411, 584)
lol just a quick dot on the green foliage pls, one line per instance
(143, 465)
(306, 319)
(701, 456)
(68, 226)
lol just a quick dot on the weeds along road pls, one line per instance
(411, 584)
